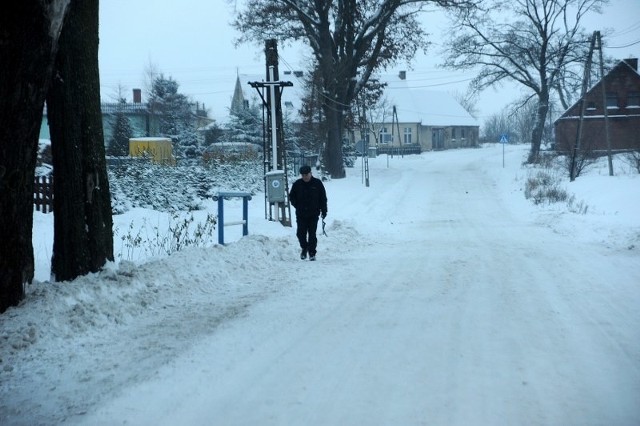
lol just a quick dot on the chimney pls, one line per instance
(632, 62)
(137, 96)
(402, 75)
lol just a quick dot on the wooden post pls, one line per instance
(604, 105)
(585, 83)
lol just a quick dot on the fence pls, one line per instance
(398, 150)
(219, 197)
(43, 194)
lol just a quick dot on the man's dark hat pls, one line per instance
(304, 170)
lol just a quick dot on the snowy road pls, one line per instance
(446, 307)
(440, 297)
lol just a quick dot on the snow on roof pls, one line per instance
(431, 108)
(127, 108)
(151, 139)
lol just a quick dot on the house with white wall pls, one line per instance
(411, 119)
(408, 118)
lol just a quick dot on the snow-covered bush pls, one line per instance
(138, 183)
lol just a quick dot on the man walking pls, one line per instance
(309, 198)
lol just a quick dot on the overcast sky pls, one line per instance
(192, 42)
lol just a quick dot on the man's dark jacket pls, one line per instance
(309, 198)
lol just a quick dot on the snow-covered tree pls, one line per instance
(245, 125)
(175, 114)
(122, 131)
(350, 39)
(213, 133)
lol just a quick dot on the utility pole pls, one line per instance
(275, 164)
(596, 43)
(604, 104)
(364, 133)
(585, 86)
(397, 123)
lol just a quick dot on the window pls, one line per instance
(633, 100)
(462, 133)
(407, 136)
(591, 106)
(385, 136)
(453, 133)
(612, 100)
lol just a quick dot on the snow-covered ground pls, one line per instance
(440, 296)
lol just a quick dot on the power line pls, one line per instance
(633, 43)
(632, 28)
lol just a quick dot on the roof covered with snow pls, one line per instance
(431, 108)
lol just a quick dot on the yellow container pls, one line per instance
(159, 150)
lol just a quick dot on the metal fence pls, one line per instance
(43, 194)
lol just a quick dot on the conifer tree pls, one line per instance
(122, 131)
(245, 125)
(174, 111)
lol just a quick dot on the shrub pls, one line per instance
(633, 159)
(182, 232)
(543, 187)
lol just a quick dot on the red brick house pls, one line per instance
(622, 86)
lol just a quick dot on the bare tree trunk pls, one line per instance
(538, 129)
(28, 43)
(83, 239)
(333, 106)
(333, 150)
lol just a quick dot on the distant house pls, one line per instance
(424, 120)
(622, 88)
(144, 123)
(414, 120)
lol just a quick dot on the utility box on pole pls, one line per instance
(276, 186)
(275, 161)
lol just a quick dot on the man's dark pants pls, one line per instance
(307, 226)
